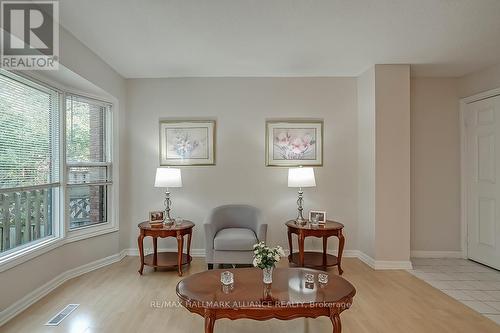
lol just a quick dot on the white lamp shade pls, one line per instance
(168, 177)
(301, 177)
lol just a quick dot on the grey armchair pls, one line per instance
(230, 233)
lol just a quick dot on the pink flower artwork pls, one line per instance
(294, 144)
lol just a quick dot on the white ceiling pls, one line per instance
(178, 38)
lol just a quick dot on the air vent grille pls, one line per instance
(61, 315)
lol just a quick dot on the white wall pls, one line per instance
(241, 106)
(484, 80)
(24, 278)
(435, 223)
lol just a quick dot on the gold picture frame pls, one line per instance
(187, 142)
(292, 143)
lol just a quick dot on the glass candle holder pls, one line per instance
(227, 278)
(227, 288)
(323, 278)
(179, 220)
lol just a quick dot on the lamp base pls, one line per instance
(300, 221)
(168, 222)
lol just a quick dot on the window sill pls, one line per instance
(29, 252)
(90, 231)
(32, 251)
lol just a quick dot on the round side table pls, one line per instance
(315, 259)
(165, 259)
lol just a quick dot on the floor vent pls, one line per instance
(61, 315)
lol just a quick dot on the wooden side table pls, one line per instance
(315, 259)
(166, 259)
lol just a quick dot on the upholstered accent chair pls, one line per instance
(230, 233)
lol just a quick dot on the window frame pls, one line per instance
(31, 250)
(61, 232)
(110, 224)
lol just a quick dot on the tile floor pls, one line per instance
(473, 284)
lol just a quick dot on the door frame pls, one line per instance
(463, 102)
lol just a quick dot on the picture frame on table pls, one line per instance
(187, 142)
(156, 216)
(320, 214)
(293, 143)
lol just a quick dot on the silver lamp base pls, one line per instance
(300, 220)
(167, 219)
(168, 222)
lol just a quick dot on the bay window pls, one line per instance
(55, 166)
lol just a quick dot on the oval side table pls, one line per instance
(165, 259)
(315, 259)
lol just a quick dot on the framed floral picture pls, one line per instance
(189, 142)
(294, 143)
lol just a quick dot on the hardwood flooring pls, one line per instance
(117, 299)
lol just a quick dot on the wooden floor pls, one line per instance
(117, 299)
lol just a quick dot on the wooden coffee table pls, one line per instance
(165, 259)
(288, 297)
(312, 259)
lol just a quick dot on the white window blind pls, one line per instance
(29, 161)
(29, 133)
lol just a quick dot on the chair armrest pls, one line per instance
(261, 231)
(209, 229)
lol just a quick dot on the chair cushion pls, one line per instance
(235, 239)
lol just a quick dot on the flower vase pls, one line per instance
(267, 275)
(268, 295)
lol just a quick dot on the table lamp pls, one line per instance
(168, 177)
(301, 177)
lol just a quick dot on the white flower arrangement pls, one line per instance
(265, 256)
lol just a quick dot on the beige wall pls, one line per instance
(435, 223)
(366, 162)
(241, 106)
(384, 162)
(392, 162)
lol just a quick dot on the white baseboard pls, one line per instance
(391, 264)
(366, 259)
(436, 254)
(384, 264)
(43, 290)
(346, 253)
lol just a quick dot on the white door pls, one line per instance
(482, 120)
